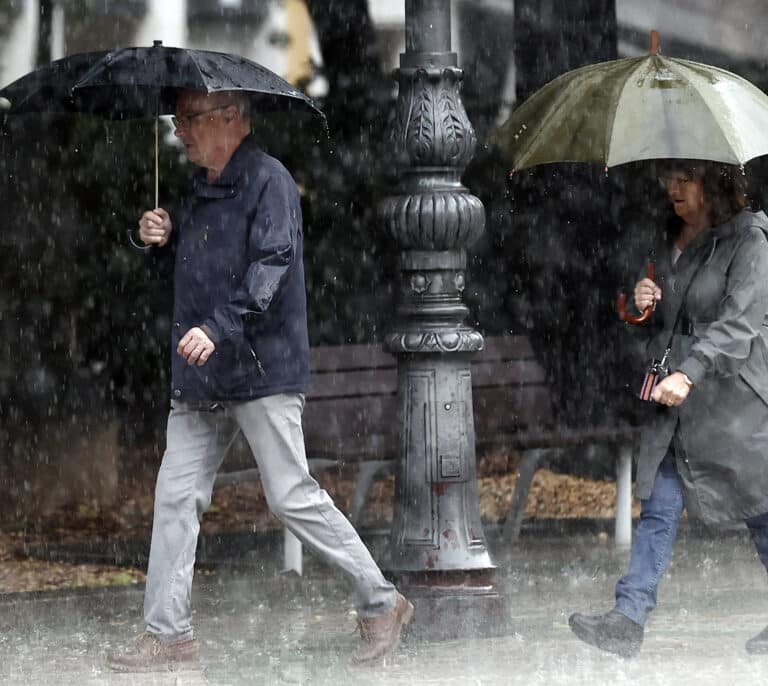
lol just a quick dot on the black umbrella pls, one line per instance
(49, 88)
(131, 83)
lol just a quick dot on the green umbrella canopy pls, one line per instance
(639, 108)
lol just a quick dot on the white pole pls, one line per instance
(58, 32)
(292, 553)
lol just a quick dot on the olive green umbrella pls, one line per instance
(639, 108)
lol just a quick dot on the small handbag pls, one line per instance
(657, 370)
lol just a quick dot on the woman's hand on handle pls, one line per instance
(646, 294)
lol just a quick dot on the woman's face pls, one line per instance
(686, 193)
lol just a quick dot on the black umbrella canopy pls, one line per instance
(141, 82)
(130, 83)
(49, 88)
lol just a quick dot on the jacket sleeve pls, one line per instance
(273, 237)
(161, 259)
(727, 342)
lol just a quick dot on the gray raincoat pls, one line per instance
(720, 432)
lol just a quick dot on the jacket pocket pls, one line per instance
(754, 372)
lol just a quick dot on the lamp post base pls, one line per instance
(454, 605)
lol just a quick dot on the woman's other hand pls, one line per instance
(646, 294)
(672, 390)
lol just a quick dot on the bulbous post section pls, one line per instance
(438, 553)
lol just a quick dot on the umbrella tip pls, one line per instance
(157, 43)
(654, 42)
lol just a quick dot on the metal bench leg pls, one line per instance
(529, 463)
(623, 531)
(366, 475)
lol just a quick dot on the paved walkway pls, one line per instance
(257, 627)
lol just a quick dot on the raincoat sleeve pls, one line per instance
(727, 342)
(273, 237)
(163, 259)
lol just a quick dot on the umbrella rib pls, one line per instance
(202, 76)
(557, 104)
(614, 107)
(543, 123)
(726, 134)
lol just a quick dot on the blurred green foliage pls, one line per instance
(84, 322)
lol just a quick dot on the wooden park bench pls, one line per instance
(350, 418)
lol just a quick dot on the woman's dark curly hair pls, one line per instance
(725, 186)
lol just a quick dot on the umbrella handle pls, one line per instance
(621, 302)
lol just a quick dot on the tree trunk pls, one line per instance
(45, 33)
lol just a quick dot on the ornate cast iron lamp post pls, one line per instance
(438, 552)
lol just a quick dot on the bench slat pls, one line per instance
(506, 348)
(511, 408)
(338, 358)
(349, 416)
(352, 383)
(367, 382)
(510, 372)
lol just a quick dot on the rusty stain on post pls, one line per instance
(654, 42)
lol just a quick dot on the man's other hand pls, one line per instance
(195, 346)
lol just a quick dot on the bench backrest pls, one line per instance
(351, 409)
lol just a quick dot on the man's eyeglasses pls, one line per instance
(667, 180)
(186, 120)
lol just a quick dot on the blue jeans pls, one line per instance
(654, 539)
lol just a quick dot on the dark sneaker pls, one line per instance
(149, 654)
(381, 635)
(758, 645)
(612, 632)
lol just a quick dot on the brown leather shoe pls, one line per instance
(381, 635)
(151, 655)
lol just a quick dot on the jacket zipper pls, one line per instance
(259, 366)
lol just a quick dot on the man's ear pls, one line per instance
(230, 113)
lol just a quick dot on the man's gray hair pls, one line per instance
(242, 102)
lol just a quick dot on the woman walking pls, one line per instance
(706, 447)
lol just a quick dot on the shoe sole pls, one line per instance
(609, 646)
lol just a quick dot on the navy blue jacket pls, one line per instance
(236, 248)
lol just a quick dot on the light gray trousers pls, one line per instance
(197, 441)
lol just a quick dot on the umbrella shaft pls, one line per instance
(157, 161)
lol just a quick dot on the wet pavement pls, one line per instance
(259, 627)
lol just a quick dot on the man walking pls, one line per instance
(240, 355)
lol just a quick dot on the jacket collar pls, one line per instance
(734, 224)
(226, 185)
(701, 249)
